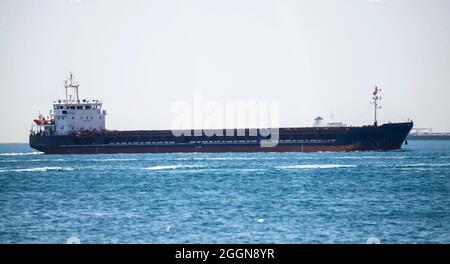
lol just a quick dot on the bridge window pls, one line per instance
(79, 107)
(87, 107)
(72, 107)
(64, 112)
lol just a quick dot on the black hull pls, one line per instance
(385, 137)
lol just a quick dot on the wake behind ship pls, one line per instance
(77, 126)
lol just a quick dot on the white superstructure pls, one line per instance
(72, 115)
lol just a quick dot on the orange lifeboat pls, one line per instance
(41, 121)
(37, 121)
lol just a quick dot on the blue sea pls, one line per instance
(397, 197)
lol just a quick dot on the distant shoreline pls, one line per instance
(445, 136)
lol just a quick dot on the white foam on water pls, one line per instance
(315, 166)
(39, 169)
(172, 167)
(21, 153)
(186, 159)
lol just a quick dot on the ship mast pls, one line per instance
(375, 103)
(70, 84)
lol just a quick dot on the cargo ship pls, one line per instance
(77, 126)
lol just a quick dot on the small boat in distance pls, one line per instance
(77, 126)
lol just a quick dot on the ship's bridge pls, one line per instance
(72, 115)
(75, 117)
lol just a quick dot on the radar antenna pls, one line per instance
(376, 97)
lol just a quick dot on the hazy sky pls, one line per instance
(313, 57)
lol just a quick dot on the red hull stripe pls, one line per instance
(206, 149)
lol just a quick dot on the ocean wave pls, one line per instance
(226, 158)
(250, 170)
(21, 153)
(239, 158)
(424, 165)
(30, 160)
(315, 166)
(172, 167)
(370, 157)
(124, 159)
(39, 169)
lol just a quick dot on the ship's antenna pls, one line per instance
(376, 97)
